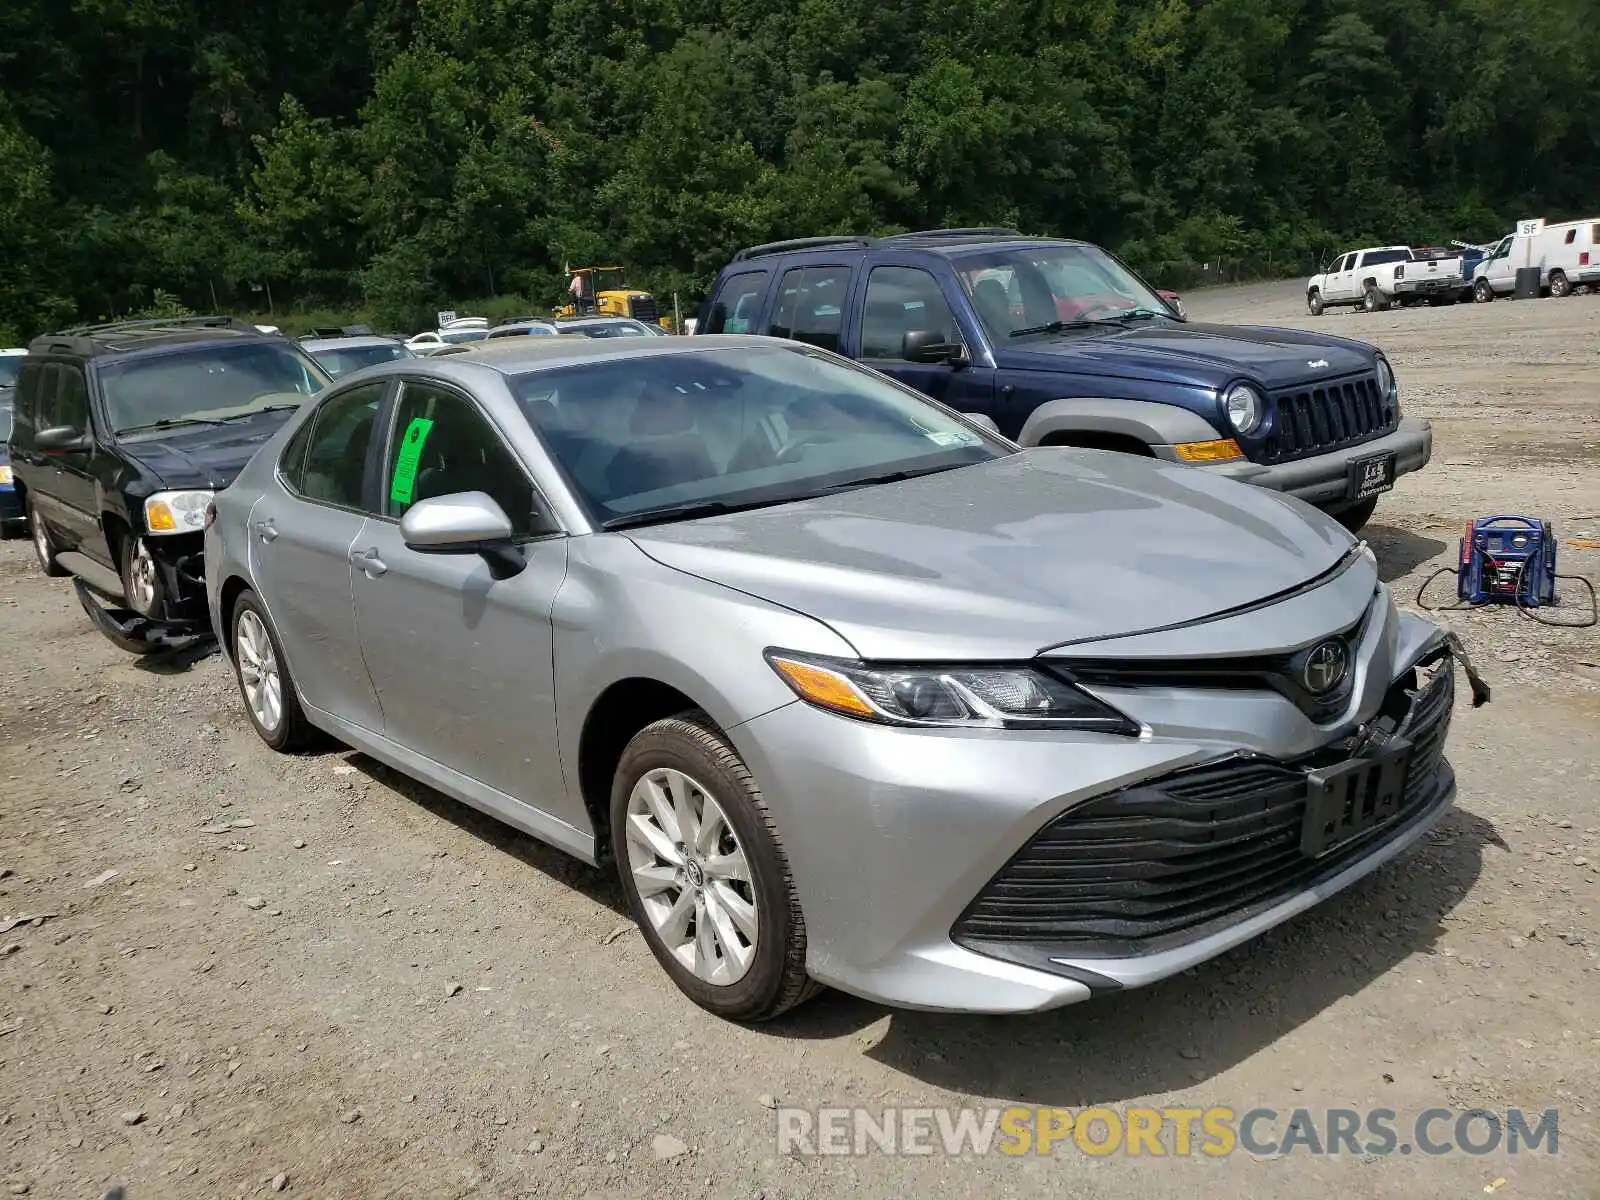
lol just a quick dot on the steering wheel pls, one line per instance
(792, 448)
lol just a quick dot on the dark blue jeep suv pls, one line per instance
(1060, 343)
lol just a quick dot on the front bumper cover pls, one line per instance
(138, 634)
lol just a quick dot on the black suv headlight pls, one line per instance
(962, 695)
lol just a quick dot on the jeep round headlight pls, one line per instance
(1245, 407)
(1387, 387)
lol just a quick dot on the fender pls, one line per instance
(1151, 423)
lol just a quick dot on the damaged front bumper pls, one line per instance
(139, 634)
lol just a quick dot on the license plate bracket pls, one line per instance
(1345, 800)
(1371, 476)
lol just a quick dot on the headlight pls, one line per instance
(1245, 407)
(176, 512)
(1387, 386)
(963, 695)
(5, 476)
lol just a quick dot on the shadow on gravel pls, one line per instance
(179, 661)
(1399, 551)
(1175, 1034)
(598, 885)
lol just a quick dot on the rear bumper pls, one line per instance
(1323, 479)
(1437, 286)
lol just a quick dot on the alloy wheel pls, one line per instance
(692, 876)
(41, 538)
(142, 583)
(258, 671)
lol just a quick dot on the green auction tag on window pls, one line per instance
(404, 484)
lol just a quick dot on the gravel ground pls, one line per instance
(258, 974)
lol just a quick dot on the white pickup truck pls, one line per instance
(1380, 276)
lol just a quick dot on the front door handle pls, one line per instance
(369, 562)
(267, 530)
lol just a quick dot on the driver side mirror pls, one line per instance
(463, 523)
(60, 438)
(929, 346)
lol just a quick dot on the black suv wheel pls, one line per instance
(44, 544)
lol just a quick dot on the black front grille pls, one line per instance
(1162, 862)
(644, 308)
(1328, 416)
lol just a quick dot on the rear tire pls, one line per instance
(1482, 292)
(1372, 300)
(44, 544)
(1560, 285)
(689, 825)
(1314, 303)
(1355, 518)
(265, 685)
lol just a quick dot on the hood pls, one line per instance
(203, 456)
(1001, 560)
(1194, 354)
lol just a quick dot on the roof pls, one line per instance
(312, 345)
(512, 356)
(936, 240)
(120, 337)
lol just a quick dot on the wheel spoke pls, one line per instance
(661, 808)
(681, 793)
(643, 830)
(730, 866)
(736, 952)
(652, 881)
(739, 910)
(674, 927)
(705, 942)
(712, 823)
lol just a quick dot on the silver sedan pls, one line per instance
(850, 689)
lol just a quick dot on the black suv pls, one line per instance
(120, 435)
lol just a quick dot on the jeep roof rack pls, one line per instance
(958, 234)
(211, 322)
(805, 243)
(114, 336)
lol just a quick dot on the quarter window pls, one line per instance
(326, 460)
(810, 305)
(443, 445)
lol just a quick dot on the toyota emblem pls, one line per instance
(1325, 667)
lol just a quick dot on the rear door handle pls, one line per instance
(369, 562)
(267, 529)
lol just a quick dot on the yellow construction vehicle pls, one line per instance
(604, 292)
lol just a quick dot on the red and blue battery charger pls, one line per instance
(1508, 560)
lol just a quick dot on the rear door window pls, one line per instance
(326, 460)
(810, 305)
(738, 305)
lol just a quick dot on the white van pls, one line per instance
(1567, 255)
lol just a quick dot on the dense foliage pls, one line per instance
(397, 156)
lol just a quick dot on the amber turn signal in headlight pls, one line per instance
(1221, 450)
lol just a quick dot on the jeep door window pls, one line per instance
(810, 305)
(1036, 289)
(902, 300)
(208, 384)
(663, 437)
(443, 445)
(10, 369)
(64, 399)
(326, 459)
(738, 305)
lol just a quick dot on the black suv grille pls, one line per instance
(1328, 416)
(644, 308)
(1159, 862)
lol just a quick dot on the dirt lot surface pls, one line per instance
(253, 965)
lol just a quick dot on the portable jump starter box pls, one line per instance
(1508, 560)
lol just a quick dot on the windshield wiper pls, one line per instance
(689, 511)
(1133, 314)
(169, 423)
(256, 412)
(886, 477)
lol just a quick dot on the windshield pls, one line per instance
(209, 382)
(10, 368)
(344, 359)
(738, 426)
(607, 329)
(5, 421)
(1026, 289)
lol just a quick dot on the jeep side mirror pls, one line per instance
(929, 346)
(59, 439)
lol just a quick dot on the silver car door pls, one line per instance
(463, 661)
(301, 530)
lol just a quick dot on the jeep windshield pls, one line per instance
(207, 384)
(647, 438)
(1023, 291)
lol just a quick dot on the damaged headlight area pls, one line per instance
(964, 695)
(176, 512)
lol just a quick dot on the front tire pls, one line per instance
(704, 873)
(265, 685)
(143, 585)
(1314, 303)
(1354, 519)
(1482, 292)
(44, 545)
